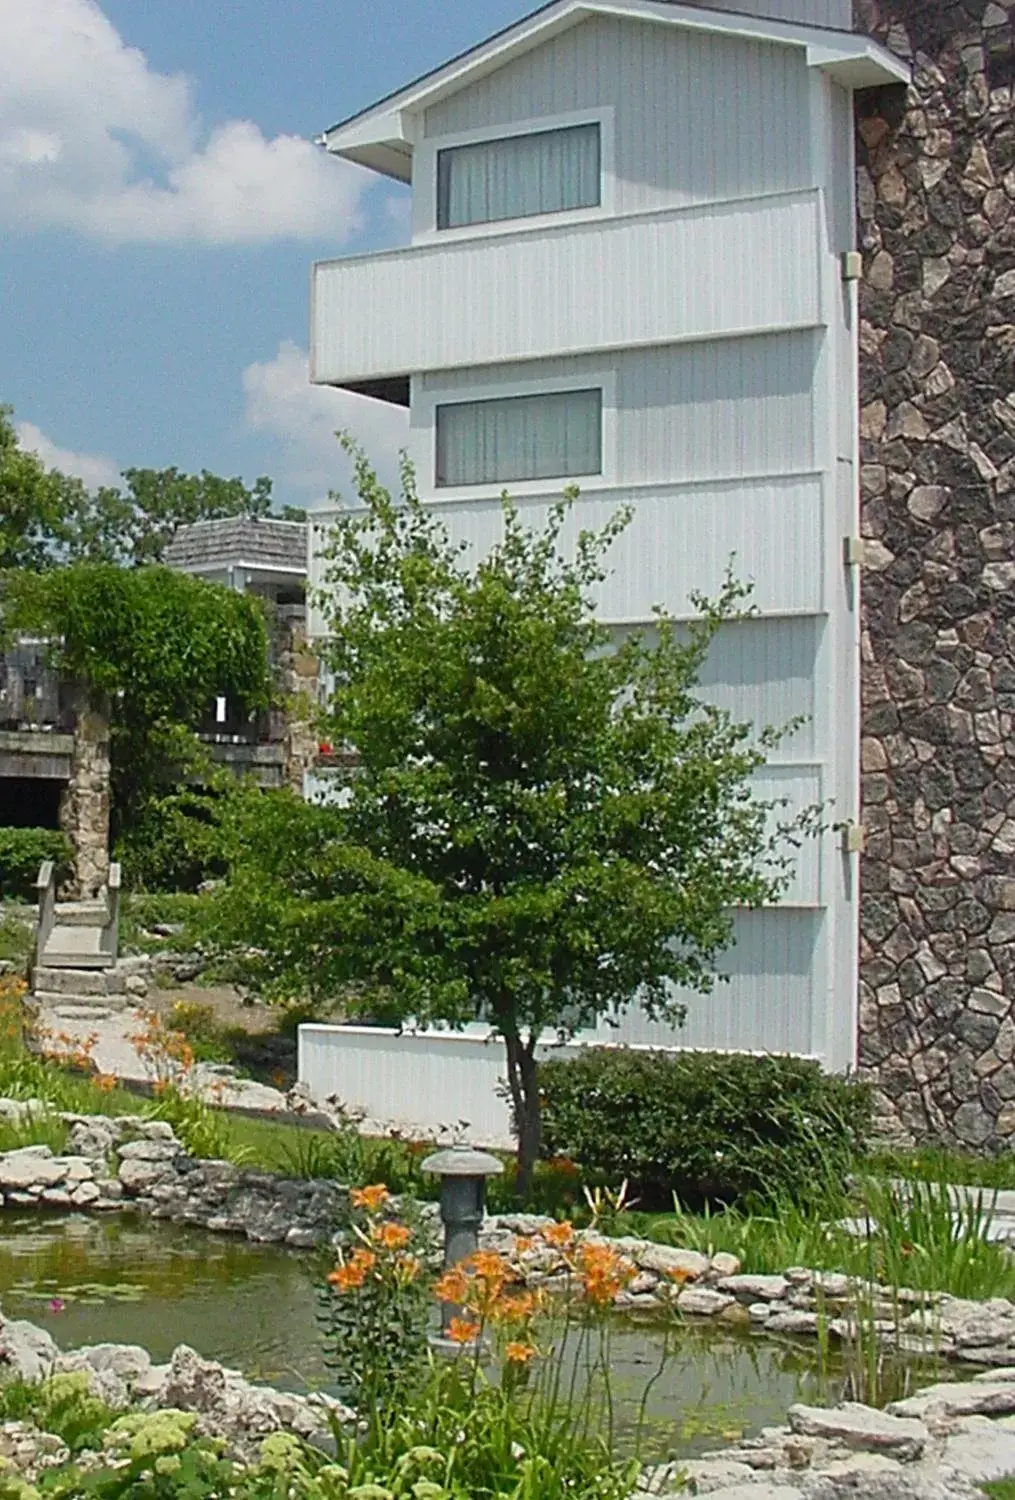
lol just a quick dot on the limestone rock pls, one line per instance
(30, 1166)
(862, 1427)
(975, 1399)
(755, 1288)
(25, 1350)
(700, 1302)
(667, 1261)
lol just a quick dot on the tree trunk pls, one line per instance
(521, 1057)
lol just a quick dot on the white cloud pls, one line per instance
(281, 401)
(94, 469)
(93, 139)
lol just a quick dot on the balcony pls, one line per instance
(681, 274)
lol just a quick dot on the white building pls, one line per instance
(630, 269)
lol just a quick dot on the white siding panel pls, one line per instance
(736, 407)
(681, 541)
(762, 672)
(834, 13)
(698, 117)
(603, 284)
(767, 999)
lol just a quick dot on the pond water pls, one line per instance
(97, 1280)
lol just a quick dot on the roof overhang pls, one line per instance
(383, 137)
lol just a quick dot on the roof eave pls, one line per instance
(383, 137)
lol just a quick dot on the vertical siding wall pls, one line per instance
(697, 118)
(739, 448)
(835, 13)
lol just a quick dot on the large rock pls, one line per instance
(862, 1427)
(229, 1407)
(982, 1451)
(137, 1177)
(978, 1398)
(903, 1486)
(748, 1289)
(31, 1166)
(25, 1351)
(666, 1260)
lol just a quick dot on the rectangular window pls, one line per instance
(543, 173)
(555, 436)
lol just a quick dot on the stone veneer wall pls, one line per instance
(937, 225)
(84, 807)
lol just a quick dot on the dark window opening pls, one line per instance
(29, 802)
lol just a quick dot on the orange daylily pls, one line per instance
(371, 1198)
(462, 1331)
(560, 1236)
(603, 1273)
(453, 1286)
(391, 1236)
(518, 1353)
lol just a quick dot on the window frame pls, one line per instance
(425, 185)
(427, 395)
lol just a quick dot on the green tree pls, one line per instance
(48, 519)
(157, 646)
(545, 826)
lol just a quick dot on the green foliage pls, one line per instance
(17, 937)
(347, 1156)
(176, 842)
(945, 1164)
(48, 519)
(707, 1126)
(22, 851)
(907, 1234)
(157, 646)
(62, 1404)
(541, 827)
(202, 1129)
(375, 1330)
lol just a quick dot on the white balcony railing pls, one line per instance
(680, 274)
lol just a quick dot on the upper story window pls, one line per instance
(545, 172)
(558, 435)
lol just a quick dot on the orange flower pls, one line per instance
(105, 1081)
(523, 1244)
(518, 1353)
(370, 1198)
(453, 1286)
(603, 1273)
(353, 1273)
(679, 1275)
(462, 1331)
(517, 1308)
(391, 1236)
(560, 1236)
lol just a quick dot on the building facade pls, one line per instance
(633, 267)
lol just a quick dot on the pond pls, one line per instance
(97, 1280)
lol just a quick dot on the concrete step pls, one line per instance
(75, 947)
(100, 982)
(81, 914)
(79, 1007)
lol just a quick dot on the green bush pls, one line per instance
(708, 1127)
(176, 842)
(22, 851)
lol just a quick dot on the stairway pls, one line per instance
(75, 951)
(79, 994)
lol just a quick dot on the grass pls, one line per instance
(940, 1164)
(1003, 1489)
(16, 936)
(916, 1238)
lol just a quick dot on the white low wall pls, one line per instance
(420, 1083)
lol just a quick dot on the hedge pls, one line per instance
(708, 1127)
(22, 851)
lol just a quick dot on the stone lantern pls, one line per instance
(463, 1172)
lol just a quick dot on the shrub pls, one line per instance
(22, 851)
(706, 1126)
(175, 843)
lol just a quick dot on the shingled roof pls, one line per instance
(240, 541)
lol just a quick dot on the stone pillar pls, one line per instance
(936, 195)
(84, 807)
(298, 669)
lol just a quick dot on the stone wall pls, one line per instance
(937, 225)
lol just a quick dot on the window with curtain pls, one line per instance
(542, 173)
(556, 436)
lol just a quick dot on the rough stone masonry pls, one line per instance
(936, 203)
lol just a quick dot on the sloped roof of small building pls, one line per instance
(239, 541)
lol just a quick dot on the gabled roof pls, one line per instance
(382, 137)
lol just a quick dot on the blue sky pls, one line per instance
(159, 210)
